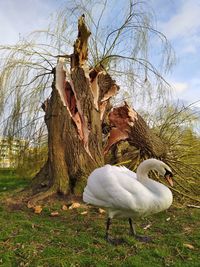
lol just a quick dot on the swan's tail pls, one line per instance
(89, 198)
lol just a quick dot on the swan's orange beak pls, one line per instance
(169, 179)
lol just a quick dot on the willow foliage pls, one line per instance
(124, 47)
(178, 127)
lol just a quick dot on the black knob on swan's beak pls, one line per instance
(168, 176)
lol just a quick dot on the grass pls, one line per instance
(72, 239)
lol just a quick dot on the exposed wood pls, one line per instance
(127, 124)
(80, 54)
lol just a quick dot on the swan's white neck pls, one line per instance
(162, 196)
(144, 168)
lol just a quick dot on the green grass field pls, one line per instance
(73, 239)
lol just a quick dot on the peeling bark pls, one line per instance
(127, 124)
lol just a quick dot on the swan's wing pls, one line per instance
(110, 187)
(126, 171)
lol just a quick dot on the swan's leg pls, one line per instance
(108, 223)
(145, 239)
(110, 239)
(132, 227)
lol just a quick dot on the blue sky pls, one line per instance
(179, 20)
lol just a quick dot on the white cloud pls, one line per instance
(188, 92)
(22, 17)
(188, 48)
(185, 22)
(179, 87)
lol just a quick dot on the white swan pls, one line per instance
(127, 194)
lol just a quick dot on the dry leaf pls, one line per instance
(101, 211)
(64, 207)
(37, 209)
(75, 205)
(84, 213)
(30, 205)
(147, 226)
(188, 246)
(54, 213)
(187, 229)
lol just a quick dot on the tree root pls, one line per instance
(41, 179)
(41, 196)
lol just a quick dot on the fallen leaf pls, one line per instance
(168, 219)
(147, 226)
(84, 213)
(37, 209)
(30, 205)
(188, 246)
(64, 207)
(75, 205)
(187, 229)
(54, 213)
(101, 211)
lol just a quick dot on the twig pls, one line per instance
(185, 195)
(179, 254)
(193, 206)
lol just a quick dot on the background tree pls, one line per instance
(77, 127)
(177, 126)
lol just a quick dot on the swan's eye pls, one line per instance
(168, 173)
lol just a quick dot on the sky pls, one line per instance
(177, 19)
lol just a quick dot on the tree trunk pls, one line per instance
(69, 160)
(76, 116)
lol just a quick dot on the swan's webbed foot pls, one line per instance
(114, 241)
(140, 238)
(144, 239)
(108, 238)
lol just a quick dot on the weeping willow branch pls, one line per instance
(118, 31)
(34, 79)
(144, 63)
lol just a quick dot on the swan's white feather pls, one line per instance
(119, 190)
(113, 187)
